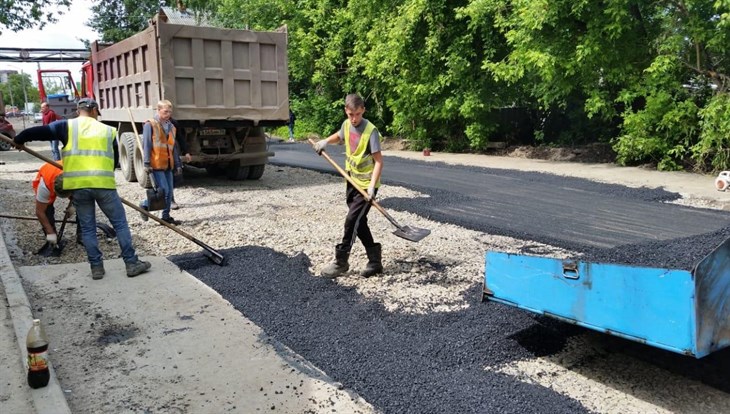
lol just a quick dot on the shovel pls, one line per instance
(55, 250)
(155, 197)
(209, 252)
(413, 234)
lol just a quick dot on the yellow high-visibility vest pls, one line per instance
(88, 156)
(359, 164)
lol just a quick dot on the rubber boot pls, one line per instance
(375, 264)
(340, 265)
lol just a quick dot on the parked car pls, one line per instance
(6, 128)
(37, 117)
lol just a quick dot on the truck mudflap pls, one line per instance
(687, 312)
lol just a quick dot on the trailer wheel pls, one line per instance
(142, 177)
(256, 171)
(236, 171)
(127, 145)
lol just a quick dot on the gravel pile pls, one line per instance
(415, 339)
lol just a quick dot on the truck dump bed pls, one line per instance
(207, 73)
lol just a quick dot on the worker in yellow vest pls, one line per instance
(88, 172)
(364, 164)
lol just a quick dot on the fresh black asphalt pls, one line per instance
(435, 363)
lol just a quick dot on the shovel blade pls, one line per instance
(214, 257)
(413, 234)
(58, 249)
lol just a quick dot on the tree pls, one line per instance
(116, 20)
(17, 88)
(25, 14)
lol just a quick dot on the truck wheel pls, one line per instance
(256, 171)
(142, 177)
(127, 144)
(236, 171)
(4, 146)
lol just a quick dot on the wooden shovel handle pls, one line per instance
(357, 187)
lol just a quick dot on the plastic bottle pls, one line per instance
(37, 344)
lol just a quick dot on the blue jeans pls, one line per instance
(111, 205)
(164, 182)
(55, 152)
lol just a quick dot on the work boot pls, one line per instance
(137, 268)
(97, 271)
(142, 215)
(171, 221)
(375, 264)
(340, 265)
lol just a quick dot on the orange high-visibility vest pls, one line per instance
(48, 174)
(163, 147)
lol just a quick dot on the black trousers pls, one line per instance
(356, 222)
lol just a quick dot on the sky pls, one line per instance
(71, 27)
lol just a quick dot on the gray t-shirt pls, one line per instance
(356, 134)
(43, 195)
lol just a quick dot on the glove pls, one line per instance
(188, 157)
(70, 211)
(319, 146)
(178, 171)
(148, 169)
(52, 239)
(371, 192)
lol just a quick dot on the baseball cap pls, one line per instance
(88, 104)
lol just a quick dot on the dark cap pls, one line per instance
(58, 187)
(87, 104)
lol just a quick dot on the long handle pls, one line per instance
(66, 216)
(134, 127)
(216, 255)
(30, 151)
(357, 187)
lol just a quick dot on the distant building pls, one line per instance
(5, 73)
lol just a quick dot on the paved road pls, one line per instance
(573, 213)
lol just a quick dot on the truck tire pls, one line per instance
(127, 144)
(236, 171)
(142, 177)
(256, 171)
(4, 146)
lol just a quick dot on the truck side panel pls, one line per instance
(126, 75)
(207, 73)
(221, 74)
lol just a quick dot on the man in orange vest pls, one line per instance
(44, 186)
(161, 159)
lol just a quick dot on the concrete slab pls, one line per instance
(165, 342)
(16, 321)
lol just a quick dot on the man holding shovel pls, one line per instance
(364, 164)
(88, 164)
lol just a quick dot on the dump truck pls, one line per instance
(225, 86)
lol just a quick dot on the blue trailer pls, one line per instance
(683, 311)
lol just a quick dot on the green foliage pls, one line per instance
(713, 147)
(17, 88)
(17, 15)
(650, 77)
(116, 20)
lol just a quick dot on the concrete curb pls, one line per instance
(49, 399)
